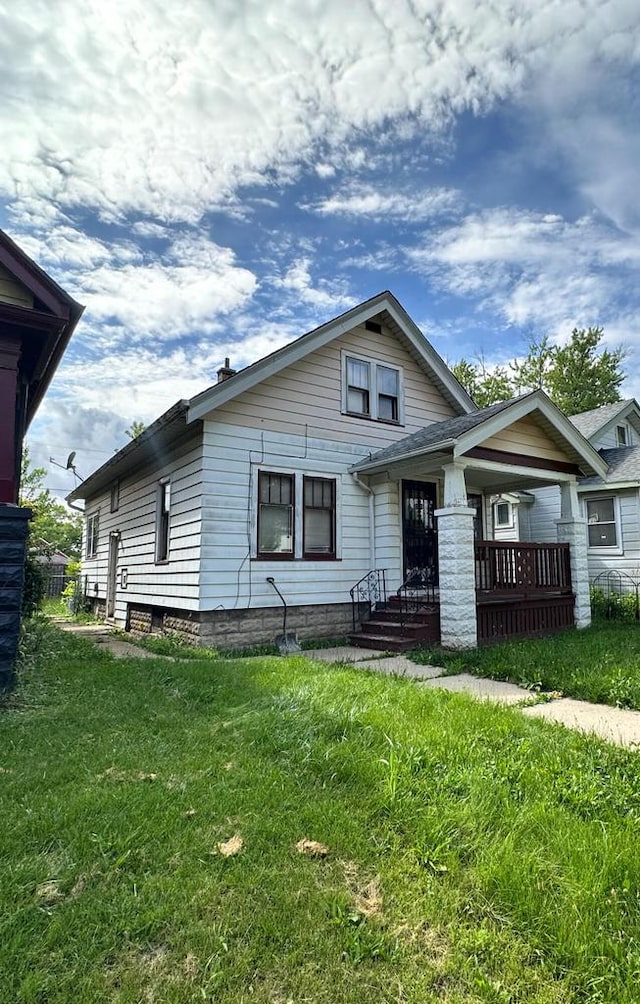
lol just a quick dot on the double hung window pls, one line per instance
(287, 501)
(602, 523)
(371, 390)
(163, 520)
(93, 529)
(319, 518)
(275, 515)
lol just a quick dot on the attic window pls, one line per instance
(622, 438)
(372, 390)
(373, 326)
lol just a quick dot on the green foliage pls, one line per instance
(135, 429)
(576, 376)
(54, 527)
(599, 664)
(34, 584)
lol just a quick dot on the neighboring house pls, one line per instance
(37, 319)
(351, 451)
(610, 502)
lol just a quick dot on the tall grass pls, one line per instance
(600, 664)
(472, 855)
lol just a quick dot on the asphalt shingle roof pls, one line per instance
(439, 432)
(589, 422)
(623, 463)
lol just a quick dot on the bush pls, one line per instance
(34, 585)
(614, 606)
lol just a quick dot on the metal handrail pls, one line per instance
(371, 589)
(415, 594)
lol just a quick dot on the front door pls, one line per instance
(419, 537)
(111, 575)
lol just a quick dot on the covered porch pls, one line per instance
(479, 589)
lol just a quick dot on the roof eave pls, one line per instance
(130, 454)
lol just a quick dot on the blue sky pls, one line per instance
(217, 179)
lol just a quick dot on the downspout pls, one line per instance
(372, 518)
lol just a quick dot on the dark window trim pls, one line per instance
(314, 555)
(93, 519)
(115, 496)
(277, 555)
(163, 523)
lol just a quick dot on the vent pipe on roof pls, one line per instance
(225, 372)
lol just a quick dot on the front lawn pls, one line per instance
(600, 664)
(153, 813)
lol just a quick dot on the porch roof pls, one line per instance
(462, 438)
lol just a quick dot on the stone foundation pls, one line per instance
(241, 628)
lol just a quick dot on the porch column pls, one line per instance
(456, 562)
(571, 527)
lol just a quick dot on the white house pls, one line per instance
(349, 463)
(609, 502)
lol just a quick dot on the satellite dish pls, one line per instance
(70, 459)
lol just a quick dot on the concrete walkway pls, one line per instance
(102, 635)
(615, 725)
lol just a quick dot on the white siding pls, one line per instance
(628, 558)
(232, 577)
(174, 584)
(307, 396)
(543, 515)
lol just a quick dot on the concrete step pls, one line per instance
(382, 643)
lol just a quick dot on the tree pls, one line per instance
(582, 378)
(576, 376)
(53, 522)
(135, 429)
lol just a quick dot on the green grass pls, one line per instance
(473, 855)
(600, 664)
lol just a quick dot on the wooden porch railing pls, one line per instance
(509, 567)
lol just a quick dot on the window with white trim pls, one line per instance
(371, 389)
(319, 518)
(163, 519)
(276, 500)
(93, 529)
(622, 435)
(502, 511)
(602, 523)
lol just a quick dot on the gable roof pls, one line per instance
(385, 306)
(458, 435)
(45, 328)
(590, 423)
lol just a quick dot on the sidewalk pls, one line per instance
(615, 725)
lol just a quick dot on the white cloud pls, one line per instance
(410, 206)
(165, 112)
(326, 294)
(533, 269)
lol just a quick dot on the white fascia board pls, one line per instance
(296, 350)
(607, 486)
(270, 365)
(630, 410)
(528, 473)
(536, 401)
(434, 361)
(390, 464)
